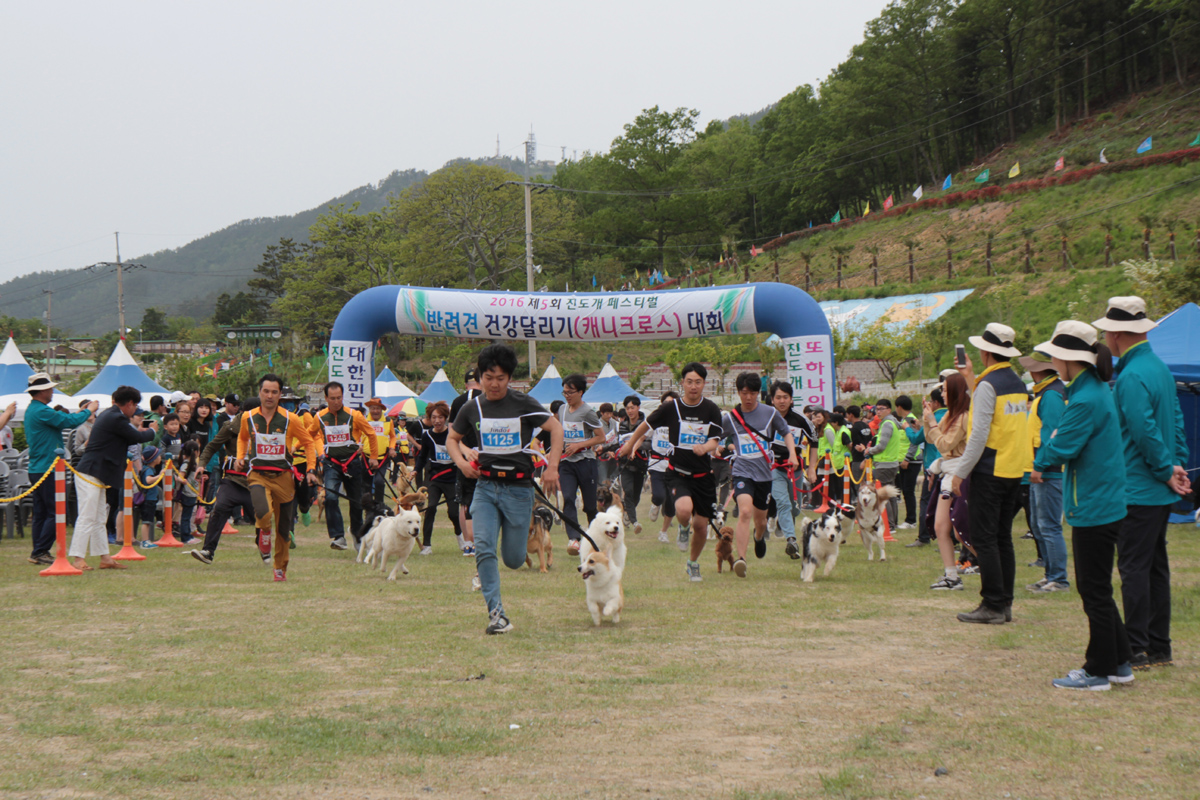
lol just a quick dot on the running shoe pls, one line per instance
(280, 576)
(683, 537)
(791, 548)
(573, 547)
(662, 537)
(946, 583)
(760, 547)
(306, 518)
(1080, 679)
(969, 569)
(468, 550)
(653, 513)
(203, 556)
(426, 550)
(739, 568)
(903, 526)
(1052, 586)
(498, 623)
(338, 544)
(1034, 587)
(1124, 674)
(42, 559)
(693, 571)
(637, 527)
(266, 557)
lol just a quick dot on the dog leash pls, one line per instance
(566, 522)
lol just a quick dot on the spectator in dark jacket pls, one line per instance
(102, 465)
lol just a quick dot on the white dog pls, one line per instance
(868, 513)
(393, 536)
(822, 540)
(609, 533)
(605, 596)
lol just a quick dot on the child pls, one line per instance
(147, 510)
(188, 465)
(171, 441)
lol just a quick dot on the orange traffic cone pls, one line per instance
(127, 552)
(168, 538)
(228, 529)
(824, 489)
(61, 565)
(887, 525)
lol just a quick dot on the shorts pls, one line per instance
(702, 491)
(464, 493)
(759, 491)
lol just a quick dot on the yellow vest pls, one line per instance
(1005, 452)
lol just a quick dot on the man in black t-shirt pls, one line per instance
(503, 422)
(860, 433)
(694, 426)
(465, 487)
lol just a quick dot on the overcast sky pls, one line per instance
(167, 121)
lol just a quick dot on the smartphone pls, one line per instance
(960, 355)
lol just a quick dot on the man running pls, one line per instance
(336, 432)
(233, 494)
(578, 470)
(753, 426)
(464, 490)
(783, 476)
(262, 453)
(503, 421)
(694, 427)
(634, 466)
(385, 445)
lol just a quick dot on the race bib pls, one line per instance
(440, 453)
(661, 443)
(692, 433)
(500, 436)
(573, 432)
(379, 427)
(611, 436)
(270, 446)
(747, 447)
(337, 435)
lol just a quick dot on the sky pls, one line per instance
(168, 121)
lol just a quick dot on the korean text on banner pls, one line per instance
(588, 317)
(350, 364)
(809, 361)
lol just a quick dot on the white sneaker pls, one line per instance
(654, 513)
(903, 526)
(637, 527)
(426, 551)
(475, 584)
(662, 536)
(771, 523)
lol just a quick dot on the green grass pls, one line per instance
(177, 680)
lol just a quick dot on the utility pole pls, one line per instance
(49, 300)
(530, 154)
(120, 289)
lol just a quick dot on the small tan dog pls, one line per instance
(605, 595)
(725, 548)
(539, 538)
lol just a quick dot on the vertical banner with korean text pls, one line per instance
(351, 364)
(809, 361)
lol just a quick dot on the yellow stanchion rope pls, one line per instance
(196, 491)
(152, 483)
(33, 488)
(85, 478)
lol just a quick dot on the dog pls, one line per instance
(822, 541)
(725, 548)
(608, 532)
(394, 537)
(605, 595)
(868, 513)
(539, 538)
(319, 502)
(371, 512)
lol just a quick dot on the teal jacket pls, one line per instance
(917, 436)
(43, 432)
(1086, 444)
(1151, 426)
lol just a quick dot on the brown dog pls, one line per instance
(725, 548)
(539, 538)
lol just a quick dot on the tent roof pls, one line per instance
(439, 388)
(1174, 341)
(121, 370)
(390, 388)
(549, 388)
(609, 388)
(14, 369)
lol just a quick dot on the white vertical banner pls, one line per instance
(809, 361)
(351, 364)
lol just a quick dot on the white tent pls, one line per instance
(14, 380)
(391, 389)
(121, 370)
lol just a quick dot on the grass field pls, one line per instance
(176, 680)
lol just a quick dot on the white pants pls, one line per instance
(90, 532)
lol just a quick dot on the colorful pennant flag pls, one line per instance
(868, 209)
(1058, 165)
(1015, 171)
(1146, 145)
(983, 176)
(837, 217)
(946, 184)
(918, 192)
(1103, 160)
(887, 203)
(593, 281)
(754, 251)
(1195, 142)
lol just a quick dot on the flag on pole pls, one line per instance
(918, 192)
(1103, 160)
(946, 184)
(837, 217)
(1146, 145)
(1058, 165)
(754, 251)
(983, 176)
(1195, 142)
(1015, 171)
(887, 203)
(868, 209)
(593, 281)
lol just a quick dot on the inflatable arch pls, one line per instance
(609, 317)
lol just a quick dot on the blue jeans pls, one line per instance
(501, 512)
(349, 483)
(1045, 511)
(781, 491)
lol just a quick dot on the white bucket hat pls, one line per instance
(1072, 341)
(1126, 314)
(39, 382)
(998, 339)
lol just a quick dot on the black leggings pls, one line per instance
(437, 490)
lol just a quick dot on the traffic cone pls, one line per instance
(168, 538)
(61, 565)
(887, 525)
(824, 489)
(127, 553)
(228, 529)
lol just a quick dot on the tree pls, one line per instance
(769, 355)
(272, 269)
(155, 325)
(891, 347)
(238, 309)
(687, 351)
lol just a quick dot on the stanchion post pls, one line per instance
(127, 552)
(61, 565)
(824, 486)
(168, 538)
(847, 477)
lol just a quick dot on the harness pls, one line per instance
(287, 423)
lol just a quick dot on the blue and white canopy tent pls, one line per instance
(121, 370)
(439, 389)
(549, 388)
(14, 380)
(610, 388)
(390, 389)
(1174, 341)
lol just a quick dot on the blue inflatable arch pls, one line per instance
(610, 317)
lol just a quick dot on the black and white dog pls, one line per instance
(822, 539)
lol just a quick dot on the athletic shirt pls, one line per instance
(437, 456)
(802, 436)
(504, 429)
(688, 426)
(752, 440)
(579, 426)
(268, 442)
(338, 430)
(470, 394)
(660, 448)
